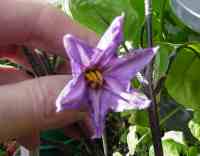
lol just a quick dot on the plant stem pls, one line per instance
(105, 146)
(153, 114)
(32, 59)
(166, 118)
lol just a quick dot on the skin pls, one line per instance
(28, 105)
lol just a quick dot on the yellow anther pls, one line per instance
(99, 76)
(94, 78)
(88, 77)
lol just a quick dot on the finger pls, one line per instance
(51, 37)
(39, 25)
(59, 120)
(30, 105)
(80, 129)
(8, 51)
(86, 126)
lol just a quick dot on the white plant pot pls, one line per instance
(188, 11)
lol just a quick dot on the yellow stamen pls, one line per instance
(99, 76)
(94, 78)
(89, 77)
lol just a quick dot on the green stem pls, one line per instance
(168, 116)
(163, 33)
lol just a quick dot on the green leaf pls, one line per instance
(162, 60)
(50, 152)
(98, 14)
(194, 125)
(139, 117)
(171, 148)
(183, 80)
(2, 152)
(117, 154)
(193, 151)
(176, 136)
(56, 135)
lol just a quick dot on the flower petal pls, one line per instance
(125, 100)
(125, 68)
(113, 36)
(133, 100)
(72, 96)
(79, 53)
(110, 41)
(99, 100)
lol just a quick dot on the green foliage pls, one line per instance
(193, 151)
(97, 14)
(194, 125)
(139, 118)
(162, 60)
(183, 81)
(2, 152)
(171, 148)
(177, 60)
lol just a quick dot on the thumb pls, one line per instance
(28, 107)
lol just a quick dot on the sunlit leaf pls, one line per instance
(194, 125)
(177, 136)
(171, 148)
(162, 60)
(183, 81)
(97, 14)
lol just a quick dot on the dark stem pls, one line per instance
(125, 47)
(54, 63)
(32, 59)
(153, 112)
(45, 59)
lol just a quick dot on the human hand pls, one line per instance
(28, 104)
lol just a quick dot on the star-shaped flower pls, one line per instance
(100, 77)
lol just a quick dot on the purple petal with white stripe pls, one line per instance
(78, 52)
(72, 95)
(125, 68)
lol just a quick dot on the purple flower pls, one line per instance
(100, 77)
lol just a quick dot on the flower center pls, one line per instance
(94, 78)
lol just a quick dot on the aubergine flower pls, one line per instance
(101, 78)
